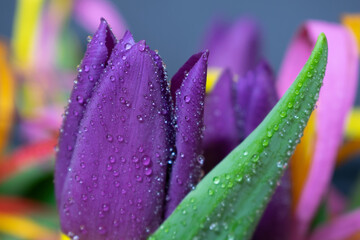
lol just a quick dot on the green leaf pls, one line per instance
(229, 201)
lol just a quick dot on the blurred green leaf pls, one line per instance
(34, 183)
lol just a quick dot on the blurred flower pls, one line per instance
(118, 136)
(35, 78)
(314, 159)
(7, 95)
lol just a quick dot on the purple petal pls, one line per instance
(115, 189)
(92, 66)
(276, 221)
(256, 96)
(180, 75)
(189, 112)
(235, 47)
(221, 134)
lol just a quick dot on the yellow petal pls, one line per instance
(212, 77)
(301, 160)
(24, 228)
(25, 26)
(7, 105)
(64, 237)
(352, 21)
(353, 125)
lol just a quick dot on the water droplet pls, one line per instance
(135, 159)
(120, 138)
(138, 178)
(140, 118)
(255, 158)
(146, 160)
(102, 230)
(141, 47)
(210, 192)
(128, 46)
(216, 180)
(108, 167)
(187, 99)
(265, 142)
(238, 178)
(82, 165)
(290, 105)
(148, 171)
(84, 197)
(201, 159)
(112, 159)
(105, 207)
(80, 99)
(213, 226)
(109, 137)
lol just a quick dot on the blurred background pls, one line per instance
(43, 41)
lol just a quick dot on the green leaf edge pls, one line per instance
(229, 201)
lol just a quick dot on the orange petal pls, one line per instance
(349, 149)
(352, 21)
(7, 92)
(301, 160)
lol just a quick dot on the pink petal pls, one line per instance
(88, 13)
(336, 99)
(341, 228)
(336, 202)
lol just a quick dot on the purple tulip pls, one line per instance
(188, 89)
(120, 133)
(234, 109)
(228, 117)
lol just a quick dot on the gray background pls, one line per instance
(176, 28)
